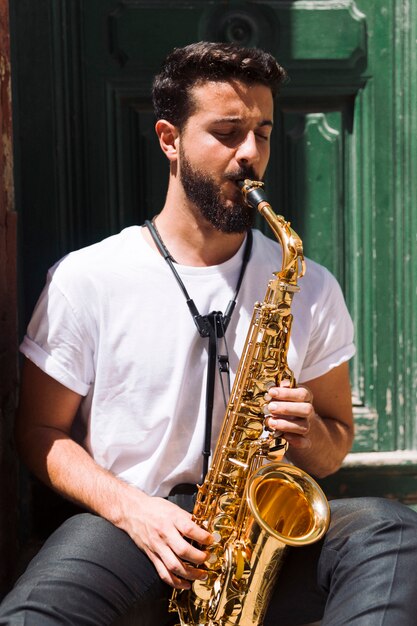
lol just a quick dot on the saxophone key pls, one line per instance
(239, 463)
(228, 503)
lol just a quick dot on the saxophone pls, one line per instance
(253, 504)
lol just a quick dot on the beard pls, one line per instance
(228, 217)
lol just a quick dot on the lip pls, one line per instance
(237, 182)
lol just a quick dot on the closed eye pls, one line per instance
(225, 133)
(263, 137)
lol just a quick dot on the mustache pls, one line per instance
(242, 173)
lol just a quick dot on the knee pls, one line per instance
(85, 528)
(361, 519)
(373, 509)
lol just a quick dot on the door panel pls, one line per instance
(342, 165)
(314, 147)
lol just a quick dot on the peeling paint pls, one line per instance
(8, 184)
(388, 401)
(7, 187)
(8, 306)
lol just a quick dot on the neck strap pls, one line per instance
(201, 321)
(214, 327)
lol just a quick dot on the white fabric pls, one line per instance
(112, 325)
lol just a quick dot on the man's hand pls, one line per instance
(291, 411)
(316, 420)
(161, 530)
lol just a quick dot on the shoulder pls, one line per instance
(98, 252)
(321, 287)
(105, 258)
(268, 251)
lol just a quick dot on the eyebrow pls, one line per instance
(238, 120)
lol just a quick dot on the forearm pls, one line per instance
(158, 527)
(67, 468)
(328, 443)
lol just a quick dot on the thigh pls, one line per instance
(305, 580)
(87, 573)
(367, 565)
(362, 572)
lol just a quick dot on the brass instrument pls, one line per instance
(254, 507)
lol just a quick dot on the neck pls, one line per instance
(191, 240)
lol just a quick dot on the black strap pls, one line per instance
(213, 326)
(201, 321)
(211, 378)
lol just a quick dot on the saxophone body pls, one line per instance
(254, 504)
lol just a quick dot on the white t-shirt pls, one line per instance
(112, 325)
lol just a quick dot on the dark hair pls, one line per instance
(205, 61)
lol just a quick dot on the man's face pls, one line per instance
(225, 139)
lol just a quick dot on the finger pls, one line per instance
(189, 551)
(188, 528)
(168, 577)
(309, 397)
(297, 441)
(295, 432)
(291, 394)
(295, 426)
(178, 568)
(291, 409)
(187, 572)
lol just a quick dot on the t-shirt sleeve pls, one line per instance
(331, 341)
(57, 342)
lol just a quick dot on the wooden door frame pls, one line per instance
(8, 315)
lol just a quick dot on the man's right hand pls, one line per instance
(161, 529)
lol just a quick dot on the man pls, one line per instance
(112, 412)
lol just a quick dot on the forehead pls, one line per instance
(214, 99)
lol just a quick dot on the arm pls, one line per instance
(316, 419)
(45, 416)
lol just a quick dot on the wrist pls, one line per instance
(128, 499)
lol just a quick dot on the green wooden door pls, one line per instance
(342, 167)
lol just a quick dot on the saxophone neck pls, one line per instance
(293, 263)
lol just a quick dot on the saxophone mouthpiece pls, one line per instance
(253, 192)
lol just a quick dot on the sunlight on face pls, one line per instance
(225, 139)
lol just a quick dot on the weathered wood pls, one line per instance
(8, 314)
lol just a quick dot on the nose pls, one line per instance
(248, 151)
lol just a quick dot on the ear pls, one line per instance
(168, 138)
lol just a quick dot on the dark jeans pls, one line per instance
(363, 573)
